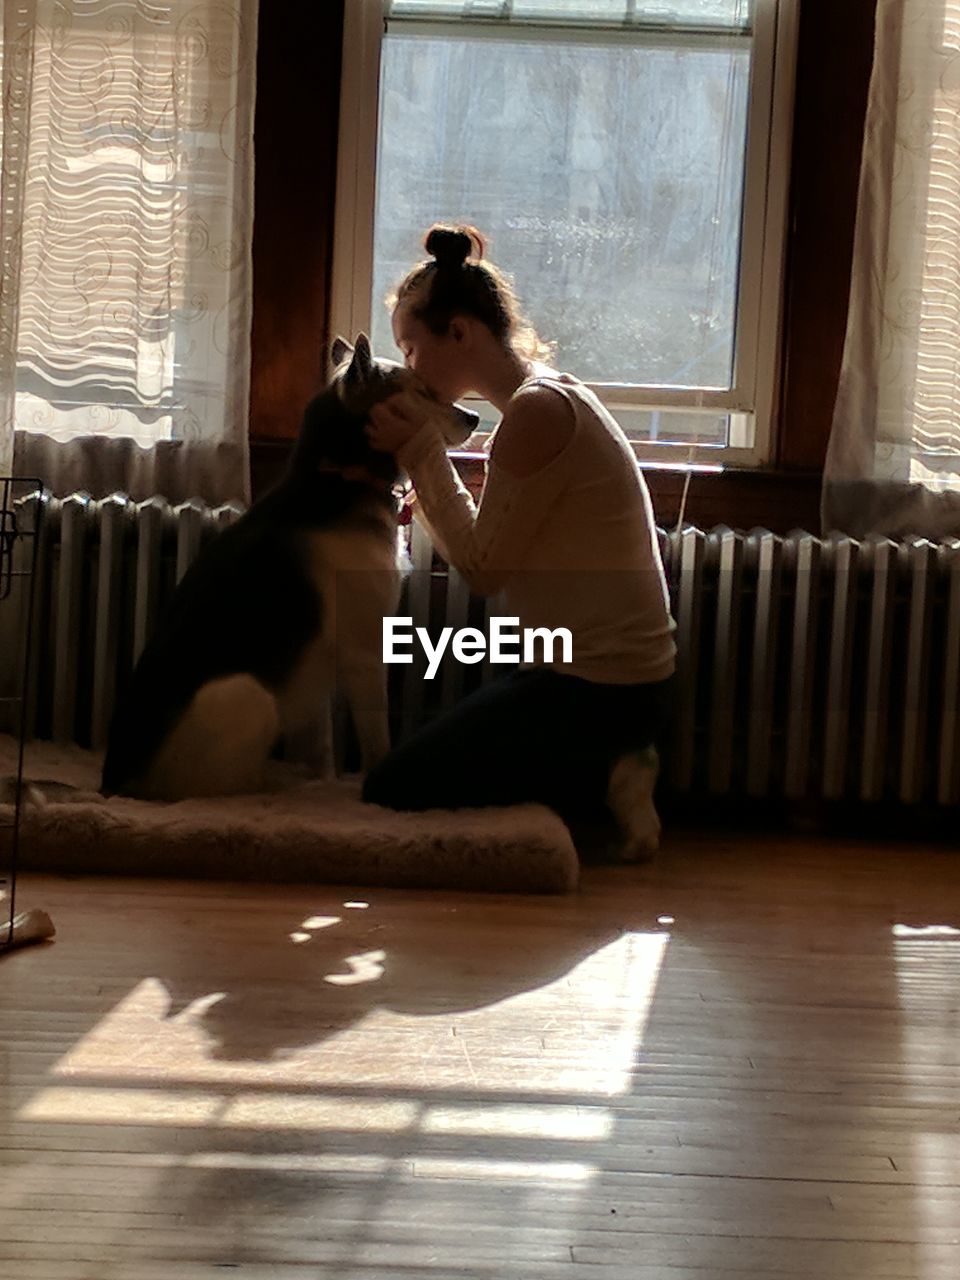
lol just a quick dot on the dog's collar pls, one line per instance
(358, 474)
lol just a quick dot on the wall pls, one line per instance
(296, 136)
(295, 143)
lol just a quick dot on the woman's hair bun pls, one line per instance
(452, 246)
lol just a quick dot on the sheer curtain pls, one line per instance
(127, 208)
(893, 463)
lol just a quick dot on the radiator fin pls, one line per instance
(921, 558)
(116, 517)
(880, 560)
(843, 557)
(765, 558)
(805, 559)
(71, 580)
(948, 774)
(688, 571)
(727, 547)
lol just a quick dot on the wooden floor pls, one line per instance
(741, 1062)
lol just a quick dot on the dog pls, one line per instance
(279, 606)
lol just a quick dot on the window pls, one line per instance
(626, 160)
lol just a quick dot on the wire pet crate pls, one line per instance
(19, 540)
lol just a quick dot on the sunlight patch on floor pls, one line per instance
(579, 1034)
(928, 968)
(303, 1114)
(433, 1167)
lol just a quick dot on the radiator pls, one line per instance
(807, 667)
(103, 571)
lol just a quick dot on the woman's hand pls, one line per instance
(393, 422)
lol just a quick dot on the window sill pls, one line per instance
(741, 497)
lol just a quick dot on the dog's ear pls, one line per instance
(362, 355)
(340, 351)
(362, 362)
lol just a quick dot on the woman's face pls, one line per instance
(437, 360)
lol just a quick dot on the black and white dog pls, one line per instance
(277, 606)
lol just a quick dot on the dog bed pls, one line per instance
(300, 830)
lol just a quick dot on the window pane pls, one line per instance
(667, 426)
(607, 177)
(673, 426)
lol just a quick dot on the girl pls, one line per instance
(565, 530)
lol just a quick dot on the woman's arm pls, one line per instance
(485, 543)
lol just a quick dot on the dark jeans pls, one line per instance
(532, 735)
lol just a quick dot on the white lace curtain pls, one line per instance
(127, 209)
(893, 464)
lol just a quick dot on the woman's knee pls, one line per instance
(381, 785)
(404, 779)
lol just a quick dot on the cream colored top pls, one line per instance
(573, 545)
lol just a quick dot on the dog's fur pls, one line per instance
(277, 606)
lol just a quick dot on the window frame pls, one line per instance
(757, 362)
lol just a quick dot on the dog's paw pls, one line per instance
(640, 848)
(630, 798)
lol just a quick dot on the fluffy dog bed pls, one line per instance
(301, 830)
